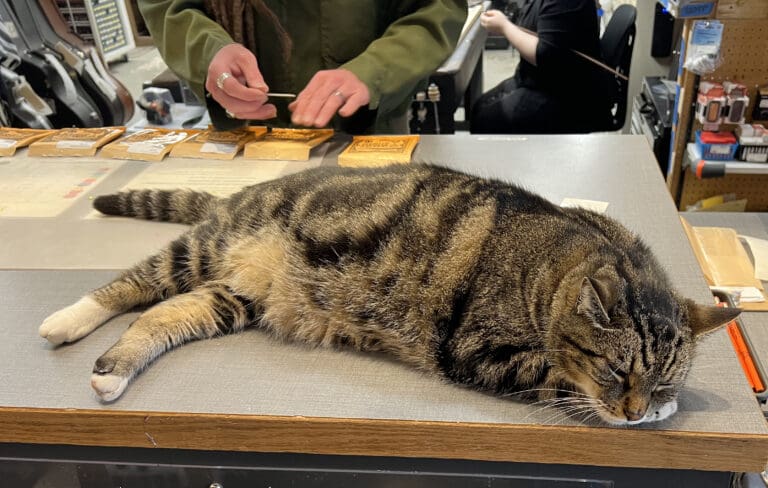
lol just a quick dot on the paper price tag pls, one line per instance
(218, 148)
(593, 205)
(720, 149)
(74, 144)
(145, 148)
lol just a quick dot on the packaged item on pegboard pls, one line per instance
(719, 146)
(736, 102)
(709, 104)
(753, 143)
(760, 112)
(703, 54)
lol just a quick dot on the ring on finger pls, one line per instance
(340, 95)
(221, 79)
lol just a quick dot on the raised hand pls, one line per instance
(234, 80)
(329, 92)
(494, 21)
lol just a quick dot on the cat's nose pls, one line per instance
(634, 414)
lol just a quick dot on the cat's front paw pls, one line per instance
(109, 387)
(108, 381)
(664, 411)
(75, 321)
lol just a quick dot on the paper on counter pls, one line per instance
(759, 248)
(593, 205)
(743, 294)
(32, 188)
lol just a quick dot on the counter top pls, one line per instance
(249, 392)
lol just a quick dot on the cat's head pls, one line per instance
(629, 346)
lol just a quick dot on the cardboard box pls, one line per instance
(374, 151)
(74, 141)
(287, 144)
(217, 144)
(12, 139)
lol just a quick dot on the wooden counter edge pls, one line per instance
(597, 446)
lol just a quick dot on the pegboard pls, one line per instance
(752, 187)
(745, 59)
(745, 55)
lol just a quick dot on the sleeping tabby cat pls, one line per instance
(472, 279)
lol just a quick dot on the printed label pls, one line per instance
(720, 149)
(707, 35)
(74, 144)
(218, 148)
(145, 148)
(755, 157)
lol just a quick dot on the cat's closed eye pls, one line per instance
(619, 374)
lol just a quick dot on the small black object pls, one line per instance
(663, 27)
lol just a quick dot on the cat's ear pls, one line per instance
(596, 297)
(706, 318)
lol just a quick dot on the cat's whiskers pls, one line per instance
(531, 390)
(574, 408)
(561, 405)
(568, 413)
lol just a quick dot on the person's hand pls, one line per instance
(328, 92)
(234, 80)
(494, 21)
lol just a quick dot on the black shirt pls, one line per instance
(563, 25)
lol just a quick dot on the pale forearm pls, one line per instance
(524, 42)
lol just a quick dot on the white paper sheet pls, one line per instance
(218, 178)
(594, 205)
(45, 188)
(759, 248)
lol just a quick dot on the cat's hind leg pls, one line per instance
(204, 312)
(166, 273)
(138, 286)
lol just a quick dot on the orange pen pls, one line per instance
(745, 358)
(743, 353)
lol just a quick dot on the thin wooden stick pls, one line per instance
(588, 58)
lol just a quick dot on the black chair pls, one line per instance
(616, 48)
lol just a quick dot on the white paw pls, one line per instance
(75, 321)
(662, 412)
(108, 386)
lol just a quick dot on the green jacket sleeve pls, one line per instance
(412, 47)
(187, 40)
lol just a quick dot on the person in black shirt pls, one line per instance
(554, 90)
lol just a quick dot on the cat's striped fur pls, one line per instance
(472, 279)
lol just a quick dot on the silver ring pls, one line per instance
(221, 79)
(340, 95)
(229, 114)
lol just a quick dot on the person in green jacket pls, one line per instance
(361, 59)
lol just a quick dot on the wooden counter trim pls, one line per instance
(490, 442)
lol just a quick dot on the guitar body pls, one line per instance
(49, 76)
(61, 29)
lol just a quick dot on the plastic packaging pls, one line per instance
(703, 54)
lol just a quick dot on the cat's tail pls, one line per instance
(180, 206)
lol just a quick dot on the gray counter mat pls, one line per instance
(251, 373)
